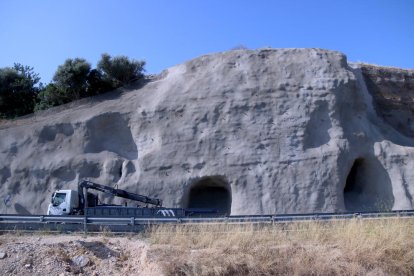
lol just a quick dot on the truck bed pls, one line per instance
(122, 211)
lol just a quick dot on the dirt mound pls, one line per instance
(71, 255)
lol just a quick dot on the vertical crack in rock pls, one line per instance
(368, 187)
(209, 192)
(110, 132)
(407, 190)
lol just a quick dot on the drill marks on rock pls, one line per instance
(49, 133)
(316, 131)
(110, 132)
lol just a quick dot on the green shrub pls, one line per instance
(71, 78)
(18, 90)
(120, 70)
(97, 84)
(50, 96)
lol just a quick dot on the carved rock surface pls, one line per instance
(248, 131)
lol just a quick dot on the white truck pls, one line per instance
(81, 202)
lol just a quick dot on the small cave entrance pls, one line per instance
(353, 181)
(211, 192)
(368, 187)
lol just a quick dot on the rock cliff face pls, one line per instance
(248, 132)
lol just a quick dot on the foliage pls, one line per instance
(120, 70)
(71, 78)
(50, 96)
(97, 84)
(70, 83)
(18, 90)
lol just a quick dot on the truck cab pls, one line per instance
(63, 202)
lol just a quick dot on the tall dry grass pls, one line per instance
(355, 247)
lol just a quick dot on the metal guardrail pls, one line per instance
(136, 224)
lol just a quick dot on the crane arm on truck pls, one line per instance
(80, 202)
(86, 184)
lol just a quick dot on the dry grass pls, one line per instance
(356, 247)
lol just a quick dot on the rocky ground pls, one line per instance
(73, 254)
(352, 247)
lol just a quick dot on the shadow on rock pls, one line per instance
(99, 249)
(21, 210)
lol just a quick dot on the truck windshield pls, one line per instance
(58, 199)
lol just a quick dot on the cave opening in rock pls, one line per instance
(210, 192)
(368, 187)
(353, 179)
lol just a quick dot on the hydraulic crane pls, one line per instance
(81, 202)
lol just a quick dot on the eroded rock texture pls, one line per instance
(251, 132)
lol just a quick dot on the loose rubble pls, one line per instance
(72, 255)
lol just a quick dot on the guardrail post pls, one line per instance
(85, 226)
(42, 218)
(132, 222)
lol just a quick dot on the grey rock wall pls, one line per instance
(248, 132)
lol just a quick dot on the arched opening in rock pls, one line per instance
(368, 187)
(353, 181)
(210, 192)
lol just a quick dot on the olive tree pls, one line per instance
(75, 79)
(71, 79)
(120, 70)
(19, 86)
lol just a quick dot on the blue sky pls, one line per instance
(44, 33)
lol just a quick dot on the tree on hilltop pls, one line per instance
(120, 70)
(71, 78)
(19, 86)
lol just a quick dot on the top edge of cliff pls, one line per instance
(197, 63)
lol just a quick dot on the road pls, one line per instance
(133, 224)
